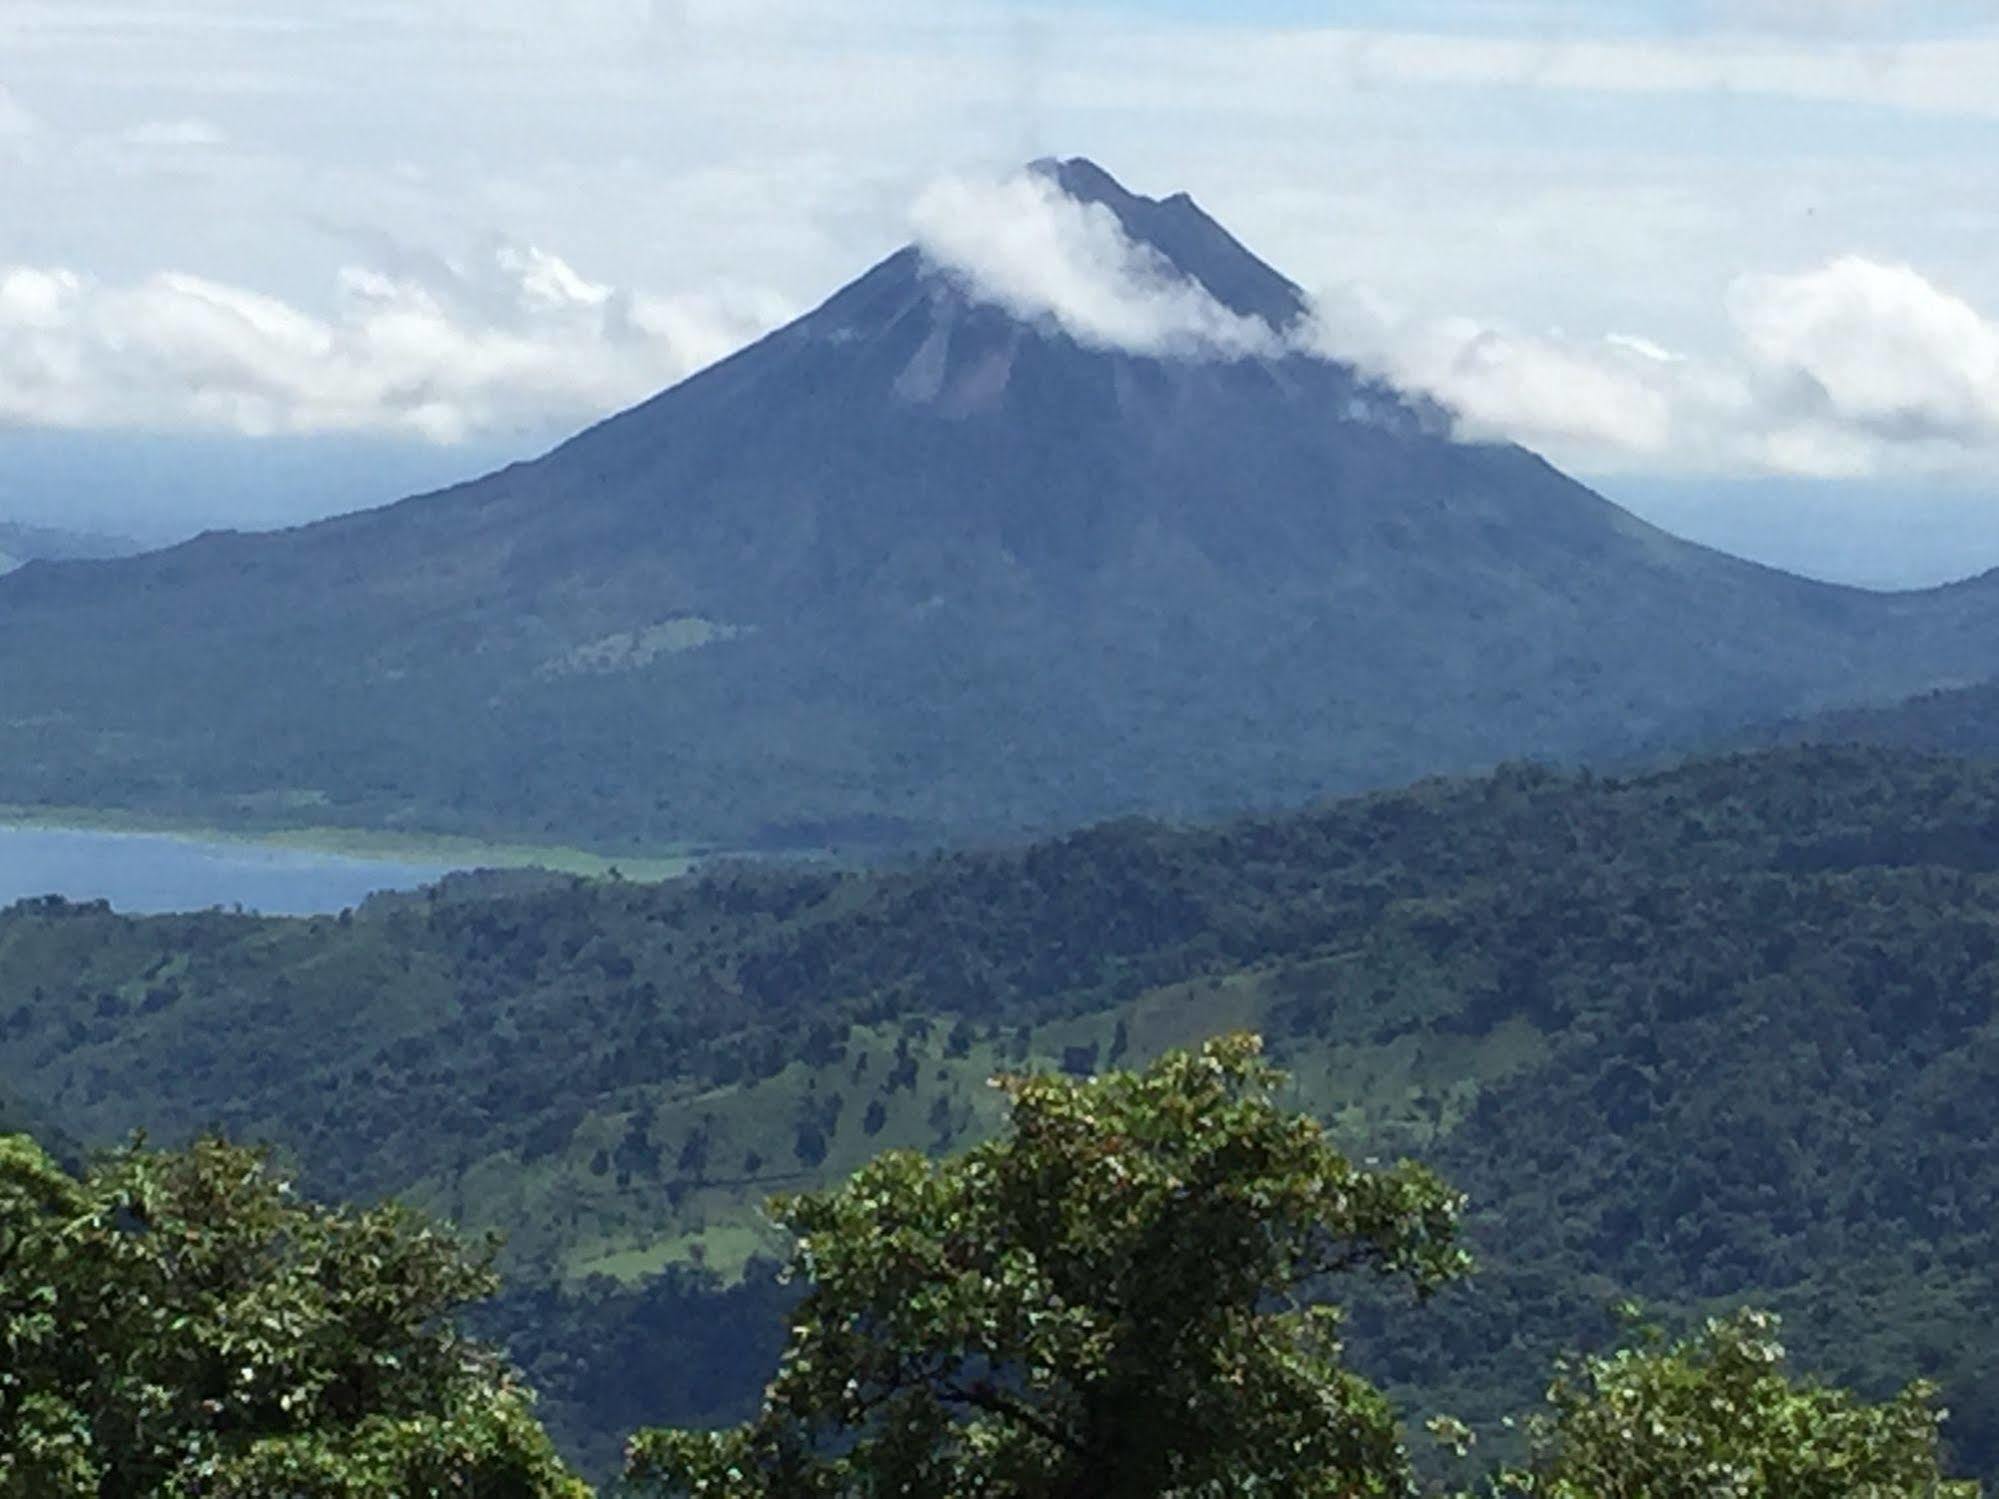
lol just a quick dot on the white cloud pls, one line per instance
(1477, 163)
(517, 341)
(1878, 347)
(15, 118)
(1657, 353)
(1854, 369)
(1297, 71)
(33, 301)
(1024, 245)
(175, 134)
(1608, 398)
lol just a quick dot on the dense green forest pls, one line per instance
(1960, 721)
(183, 1323)
(1131, 1291)
(1719, 1033)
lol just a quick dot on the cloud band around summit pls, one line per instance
(1856, 367)
(1025, 245)
(1850, 369)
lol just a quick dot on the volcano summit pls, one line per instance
(1051, 517)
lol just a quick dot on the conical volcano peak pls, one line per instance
(1086, 182)
(1187, 238)
(1036, 522)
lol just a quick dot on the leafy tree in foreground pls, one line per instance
(178, 1324)
(1103, 1302)
(1717, 1417)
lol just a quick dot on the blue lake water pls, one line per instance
(153, 872)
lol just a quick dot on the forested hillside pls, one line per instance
(1718, 1033)
(1960, 721)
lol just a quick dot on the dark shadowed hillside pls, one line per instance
(915, 567)
(1717, 1034)
(1958, 721)
(19, 1117)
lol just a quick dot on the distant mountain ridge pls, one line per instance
(21, 544)
(917, 568)
(1960, 721)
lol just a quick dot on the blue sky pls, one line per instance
(1731, 251)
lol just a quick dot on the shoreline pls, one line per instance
(449, 851)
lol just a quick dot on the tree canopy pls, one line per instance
(180, 1323)
(1718, 1416)
(1123, 1296)
(1109, 1300)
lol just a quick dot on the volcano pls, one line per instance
(928, 564)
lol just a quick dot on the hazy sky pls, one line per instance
(1734, 251)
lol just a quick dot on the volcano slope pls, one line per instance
(923, 565)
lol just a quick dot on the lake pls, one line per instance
(153, 872)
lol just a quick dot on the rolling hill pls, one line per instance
(918, 568)
(1716, 1034)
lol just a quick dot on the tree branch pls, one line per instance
(990, 1398)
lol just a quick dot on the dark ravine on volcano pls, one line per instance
(915, 568)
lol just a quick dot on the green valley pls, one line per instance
(1719, 1033)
